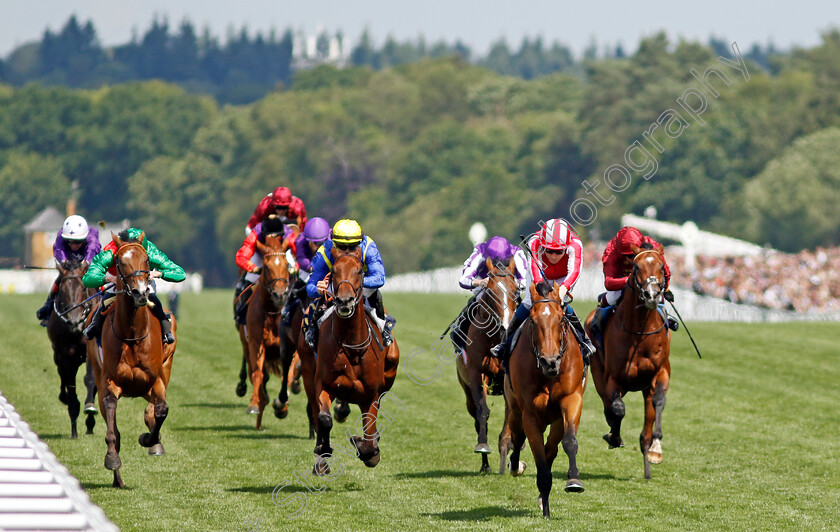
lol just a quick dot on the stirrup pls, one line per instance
(499, 351)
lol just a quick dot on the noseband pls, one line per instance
(268, 286)
(135, 273)
(642, 286)
(64, 314)
(563, 343)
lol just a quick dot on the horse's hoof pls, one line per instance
(482, 448)
(281, 410)
(89, 432)
(241, 389)
(518, 472)
(112, 462)
(321, 467)
(341, 411)
(611, 441)
(62, 396)
(157, 450)
(574, 485)
(296, 386)
(654, 454)
(252, 409)
(373, 460)
(90, 408)
(485, 469)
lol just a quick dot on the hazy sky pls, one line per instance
(476, 23)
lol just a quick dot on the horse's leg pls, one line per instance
(294, 375)
(472, 408)
(572, 405)
(256, 358)
(368, 444)
(482, 413)
(90, 409)
(242, 387)
(650, 440)
(534, 432)
(517, 433)
(67, 373)
(505, 441)
(112, 434)
(614, 412)
(325, 423)
(154, 417)
(281, 403)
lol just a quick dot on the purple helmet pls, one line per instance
(498, 248)
(317, 230)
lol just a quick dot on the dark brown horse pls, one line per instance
(634, 355)
(544, 388)
(133, 361)
(351, 364)
(265, 344)
(73, 304)
(488, 318)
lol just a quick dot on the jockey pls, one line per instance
(618, 266)
(346, 236)
(474, 277)
(76, 242)
(250, 260)
(282, 203)
(102, 270)
(308, 242)
(557, 254)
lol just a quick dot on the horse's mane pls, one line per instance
(71, 264)
(501, 264)
(123, 235)
(646, 245)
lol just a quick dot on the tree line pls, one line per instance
(421, 150)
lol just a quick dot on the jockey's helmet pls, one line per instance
(317, 230)
(498, 248)
(281, 197)
(627, 238)
(347, 233)
(75, 228)
(555, 234)
(273, 225)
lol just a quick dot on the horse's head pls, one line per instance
(502, 289)
(275, 275)
(133, 270)
(347, 275)
(549, 339)
(71, 304)
(648, 277)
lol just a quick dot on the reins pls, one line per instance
(564, 344)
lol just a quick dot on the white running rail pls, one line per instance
(36, 491)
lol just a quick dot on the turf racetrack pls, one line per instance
(750, 439)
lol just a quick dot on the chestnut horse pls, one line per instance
(132, 360)
(71, 308)
(544, 387)
(265, 345)
(489, 318)
(351, 363)
(634, 355)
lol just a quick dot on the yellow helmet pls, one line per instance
(347, 232)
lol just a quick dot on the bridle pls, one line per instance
(85, 303)
(357, 296)
(640, 288)
(564, 344)
(504, 273)
(270, 284)
(136, 273)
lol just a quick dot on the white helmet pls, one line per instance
(75, 228)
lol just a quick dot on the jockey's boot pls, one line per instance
(163, 317)
(502, 350)
(586, 347)
(93, 330)
(376, 302)
(310, 324)
(672, 322)
(44, 312)
(241, 307)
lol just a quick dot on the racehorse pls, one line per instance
(544, 387)
(132, 360)
(634, 354)
(488, 318)
(72, 306)
(351, 364)
(265, 345)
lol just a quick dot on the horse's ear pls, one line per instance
(635, 249)
(61, 269)
(489, 263)
(334, 252)
(511, 265)
(660, 249)
(261, 247)
(142, 237)
(116, 240)
(295, 230)
(534, 293)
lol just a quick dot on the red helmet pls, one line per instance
(281, 197)
(555, 234)
(628, 237)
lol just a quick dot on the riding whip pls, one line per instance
(669, 300)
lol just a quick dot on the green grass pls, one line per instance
(750, 439)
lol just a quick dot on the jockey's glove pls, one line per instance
(669, 296)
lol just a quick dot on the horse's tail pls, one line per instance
(273, 361)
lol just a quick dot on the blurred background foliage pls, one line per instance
(183, 136)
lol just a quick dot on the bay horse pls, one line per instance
(634, 355)
(489, 318)
(132, 360)
(265, 346)
(351, 364)
(70, 310)
(544, 387)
